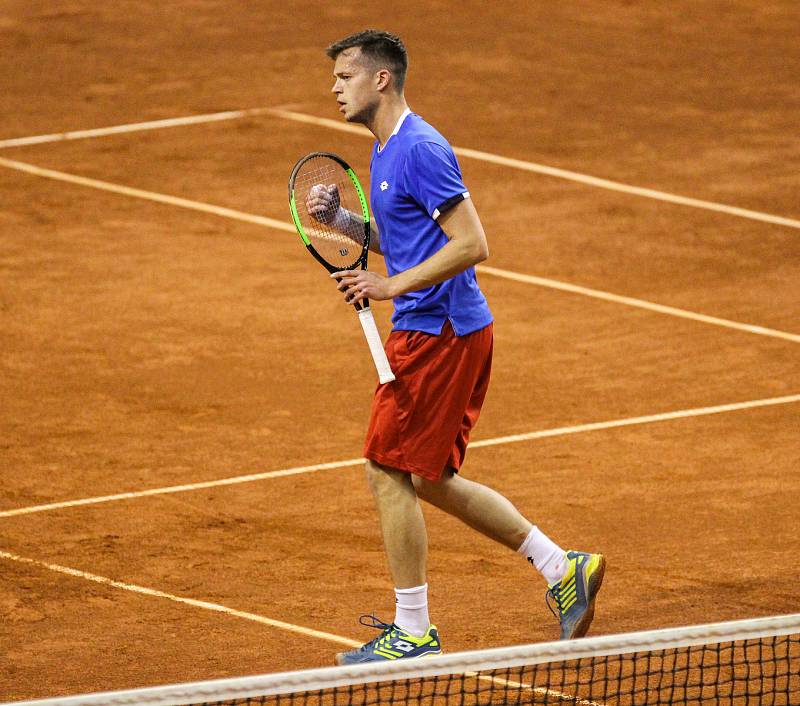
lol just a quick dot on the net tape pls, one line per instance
(497, 666)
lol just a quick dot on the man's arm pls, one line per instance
(344, 226)
(465, 247)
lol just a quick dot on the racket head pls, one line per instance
(335, 249)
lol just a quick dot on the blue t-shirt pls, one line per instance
(413, 180)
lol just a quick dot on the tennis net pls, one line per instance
(743, 662)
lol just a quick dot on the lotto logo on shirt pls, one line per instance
(384, 185)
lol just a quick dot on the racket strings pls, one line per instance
(338, 236)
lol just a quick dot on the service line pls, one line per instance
(224, 212)
(637, 303)
(333, 465)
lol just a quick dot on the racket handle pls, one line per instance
(367, 320)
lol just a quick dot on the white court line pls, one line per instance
(639, 303)
(561, 173)
(183, 488)
(308, 632)
(234, 613)
(515, 438)
(147, 195)
(281, 225)
(462, 151)
(132, 127)
(647, 419)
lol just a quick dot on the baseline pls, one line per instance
(146, 195)
(497, 659)
(480, 155)
(280, 225)
(131, 127)
(143, 590)
(515, 438)
(233, 612)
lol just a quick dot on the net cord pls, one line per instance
(455, 663)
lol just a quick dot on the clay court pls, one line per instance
(162, 326)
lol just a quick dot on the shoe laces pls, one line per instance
(371, 621)
(553, 594)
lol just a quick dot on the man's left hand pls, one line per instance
(363, 284)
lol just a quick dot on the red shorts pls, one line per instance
(420, 423)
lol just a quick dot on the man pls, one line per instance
(440, 349)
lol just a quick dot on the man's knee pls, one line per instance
(422, 486)
(430, 490)
(375, 475)
(382, 479)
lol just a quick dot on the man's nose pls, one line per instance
(337, 88)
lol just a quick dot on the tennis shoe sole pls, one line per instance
(340, 656)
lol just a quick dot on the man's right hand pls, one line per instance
(322, 202)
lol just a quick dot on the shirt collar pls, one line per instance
(397, 127)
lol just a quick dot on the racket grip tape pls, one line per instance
(367, 320)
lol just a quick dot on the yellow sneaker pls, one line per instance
(392, 643)
(574, 595)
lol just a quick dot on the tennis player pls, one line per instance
(440, 349)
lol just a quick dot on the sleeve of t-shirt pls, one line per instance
(433, 178)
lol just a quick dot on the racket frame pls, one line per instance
(366, 317)
(361, 260)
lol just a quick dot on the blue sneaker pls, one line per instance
(392, 643)
(574, 595)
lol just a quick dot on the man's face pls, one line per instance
(355, 86)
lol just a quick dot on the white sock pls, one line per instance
(411, 609)
(548, 558)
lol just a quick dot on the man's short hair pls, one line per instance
(384, 50)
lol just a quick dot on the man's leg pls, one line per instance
(477, 505)
(573, 578)
(402, 524)
(405, 540)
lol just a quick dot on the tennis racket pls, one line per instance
(331, 215)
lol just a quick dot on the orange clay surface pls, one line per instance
(144, 345)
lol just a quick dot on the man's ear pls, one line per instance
(383, 78)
